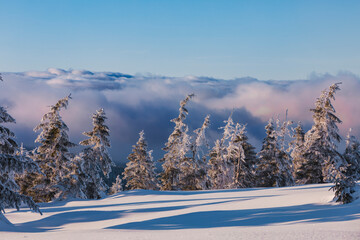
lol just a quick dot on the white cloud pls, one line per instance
(148, 102)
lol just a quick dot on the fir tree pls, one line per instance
(198, 147)
(117, 186)
(77, 178)
(95, 158)
(53, 157)
(216, 166)
(352, 157)
(140, 170)
(176, 149)
(320, 152)
(285, 163)
(348, 172)
(267, 169)
(344, 187)
(222, 160)
(13, 161)
(297, 148)
(274, 169)
(244, 157)
(193, 168)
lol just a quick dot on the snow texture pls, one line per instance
(301, 212)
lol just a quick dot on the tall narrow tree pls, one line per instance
(267, 169)
(176, 149)
(53, 157)
(96, 158)
(13, 161)
(297, 154)
(193, 167)
(285, 163)
(320, 152)
(139, 172)
(222, 164)
(274, 168)
(244, 157)
(199, 148)
(216, 165)
(352, 156)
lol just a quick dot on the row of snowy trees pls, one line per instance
(310, 157)
(51, 171)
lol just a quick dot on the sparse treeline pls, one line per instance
(288, 156)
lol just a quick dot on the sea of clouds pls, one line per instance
(148, 102)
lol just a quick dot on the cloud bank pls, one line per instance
(149, 102)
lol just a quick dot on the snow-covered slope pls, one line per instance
(302, 212)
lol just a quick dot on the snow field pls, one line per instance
(301, 212)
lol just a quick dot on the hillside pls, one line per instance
(301, 212)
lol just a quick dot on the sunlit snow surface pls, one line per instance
(301, 212)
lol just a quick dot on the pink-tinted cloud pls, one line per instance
(148, 102)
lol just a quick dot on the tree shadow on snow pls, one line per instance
(70, 208)
(58, 220)
(311, 213)
(185, 193)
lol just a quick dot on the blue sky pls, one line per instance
(224, 39)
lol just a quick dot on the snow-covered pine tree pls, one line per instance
(77, 178)
(274, 168)
(320, 152)
(198, 147)
(244, 157)
(297, 151)
(285, 163)
(344, 187)
(249, 150)
(193, 167)
(139, 172)
(221, 164)
(53, 157)
(13, 161)
(348, 172)
(352, 157)
(176, 149)
(117, 186)
(216, 164)
(267, 169)
(96, 158)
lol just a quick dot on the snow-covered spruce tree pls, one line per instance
(267, 170)
(117, 186)
(193, 167)
(77, 178)
(215, 167)
(244, 158)
(96, 158)
(273, 169)
(139, 172)
(320, 152)
(221, 164)
(352, 157)
(199, 149)
(285, 164)
(13, 161)
(348, 172)
(297, 152)
(52, 156)
(344, 187)
(176, 149)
